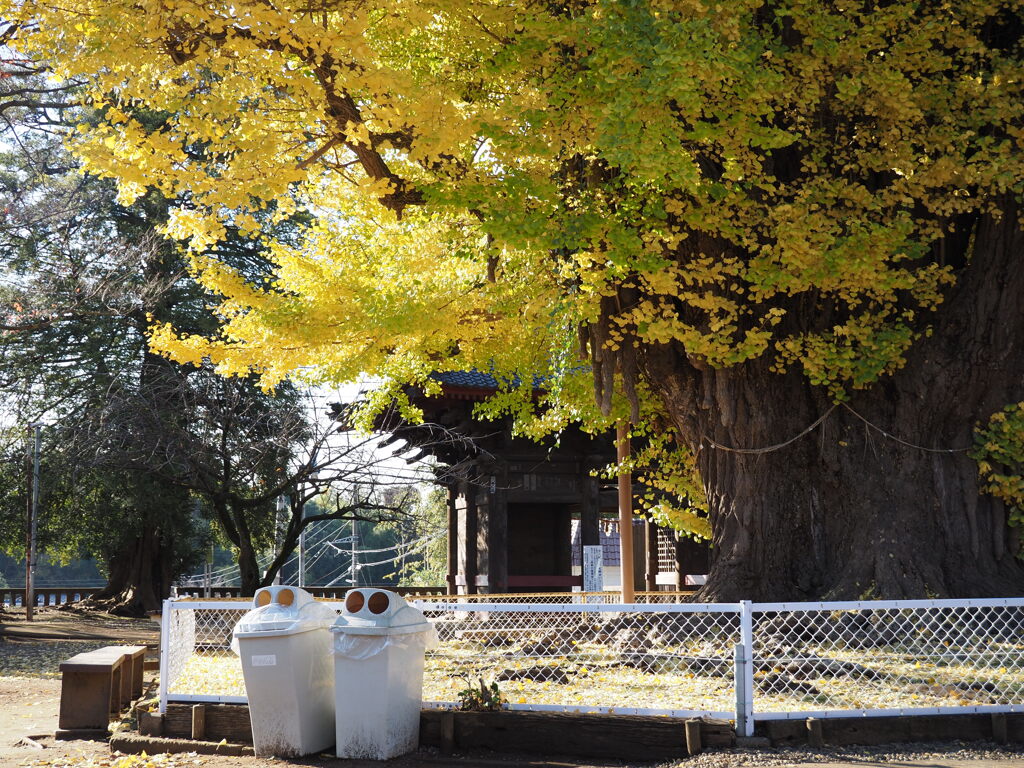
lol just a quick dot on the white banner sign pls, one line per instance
(593, 571)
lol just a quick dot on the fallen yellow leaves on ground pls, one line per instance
(25, 658)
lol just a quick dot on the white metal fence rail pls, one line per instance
(748, 661)
(673, 660)
(883, 658)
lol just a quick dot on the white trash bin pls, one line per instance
(285, 647)
(379, 642)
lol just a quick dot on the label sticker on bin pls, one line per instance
(264, 660)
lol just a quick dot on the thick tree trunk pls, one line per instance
(142, 569)
(139, 576)
(237, 531)
(248, 568)
(881, 498)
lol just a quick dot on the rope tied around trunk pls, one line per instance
(815, 425)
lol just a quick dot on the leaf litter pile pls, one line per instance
(32, 658)
(117, 760)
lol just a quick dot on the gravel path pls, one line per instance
(976, 754)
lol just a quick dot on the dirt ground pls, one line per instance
(28, 708)
(76, 625)
(30, 655)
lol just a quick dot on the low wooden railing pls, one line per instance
(61, 595)
(47, 595)
(331, 593)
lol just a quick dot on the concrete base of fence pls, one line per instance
(85, 734)
(841, 731)
(220, 721)
(132, 744)
(585, 735)
(624, 737)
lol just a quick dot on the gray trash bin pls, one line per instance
(285, 646)
(379, 642)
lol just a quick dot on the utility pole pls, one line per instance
(302, 555)
(302, 538)
(208, 572)
(355, 554)
(32, 459)
(279, 524)
(302, 518)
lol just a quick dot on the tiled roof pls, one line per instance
(468, 379)
(475, 379)
(609, 531)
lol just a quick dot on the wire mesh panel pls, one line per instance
(666, 659)
(180, 645)
(871, 657)
(200, 663)
(563, 656)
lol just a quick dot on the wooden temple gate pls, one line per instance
(512, 501)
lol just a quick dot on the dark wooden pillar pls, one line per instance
(651, 577)
(470, 528)
(453, 540)
(497, 529)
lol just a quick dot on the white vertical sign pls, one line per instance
(593, 571)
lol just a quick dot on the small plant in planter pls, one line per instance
(481, 697)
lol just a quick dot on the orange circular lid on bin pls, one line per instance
(379, 602)
(354, 602)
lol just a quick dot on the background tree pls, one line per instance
(787, 233)
(358, 489)
(427, 562)
(81, 277)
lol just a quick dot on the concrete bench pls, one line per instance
(131, 671)
(95, 686)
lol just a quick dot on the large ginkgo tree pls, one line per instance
(781, 238)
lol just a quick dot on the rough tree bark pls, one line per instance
(139, 575)
(248, 569)
(881, 498)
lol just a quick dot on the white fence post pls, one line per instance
(165, 634)
(744, 673)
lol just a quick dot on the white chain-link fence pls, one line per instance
(196, 660)
(897, 657)
(751, 661)
(589, 657)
